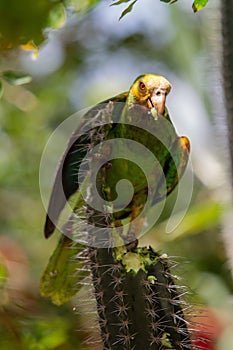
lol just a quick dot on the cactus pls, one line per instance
(138, 304)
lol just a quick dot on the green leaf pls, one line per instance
(15, 78)
(199, 4)
(3, 275)
(1, 89)
(57, 17)
(169, 1)
(45, 334)
(83, 5)
(3, 283)
(119, 2)
(127, 10)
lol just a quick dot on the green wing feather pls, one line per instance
(63, 272)
(66, 183)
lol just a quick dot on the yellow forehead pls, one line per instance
(152, 81)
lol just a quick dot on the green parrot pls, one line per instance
(135, 127)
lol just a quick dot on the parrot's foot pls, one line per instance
(132, 245)
(185, 144)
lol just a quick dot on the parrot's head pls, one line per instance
(150, 91)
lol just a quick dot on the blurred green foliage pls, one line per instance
(23, 22)
(28, 19)
(197, 5)
(92, 57)
(13, 78)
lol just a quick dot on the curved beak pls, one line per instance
(158, 100)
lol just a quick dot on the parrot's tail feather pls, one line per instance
(49, 227)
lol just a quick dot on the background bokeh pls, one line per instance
(89, 58)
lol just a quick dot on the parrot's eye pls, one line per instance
(142, 86)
